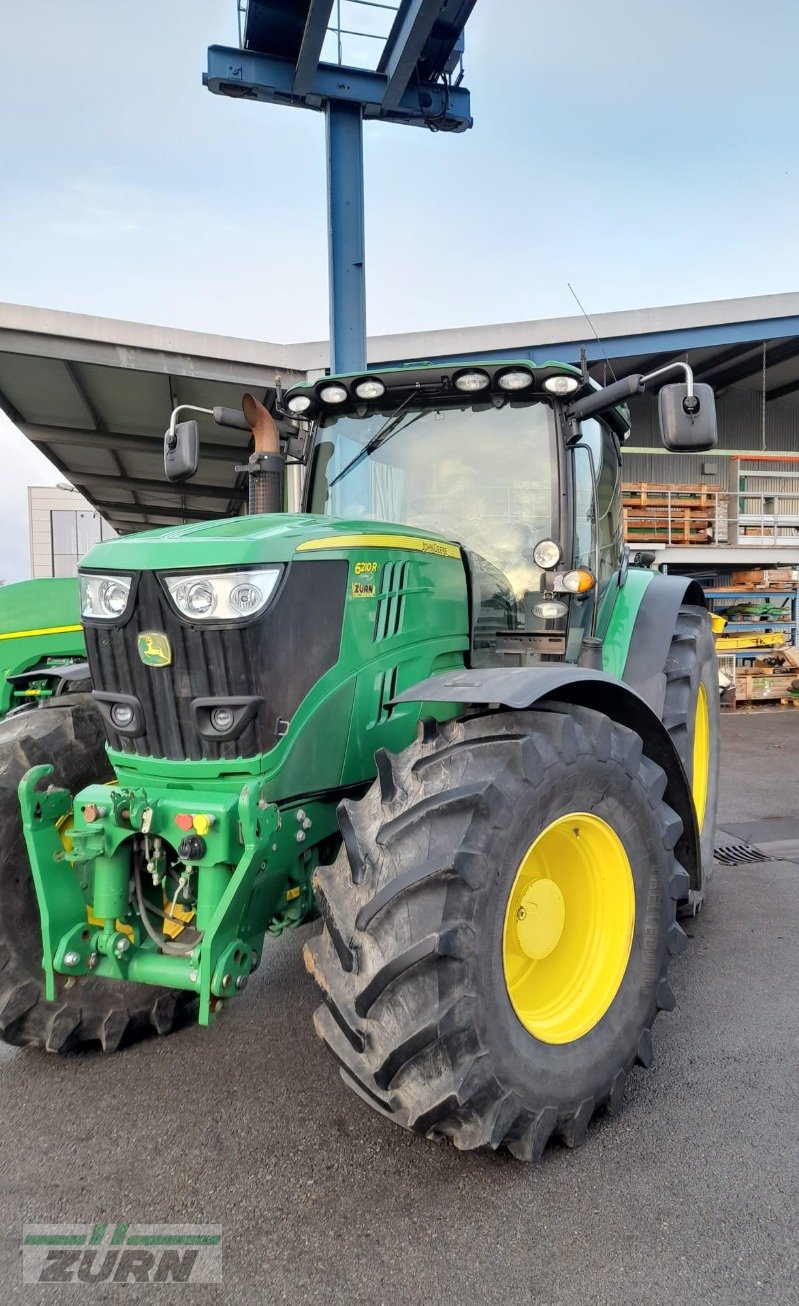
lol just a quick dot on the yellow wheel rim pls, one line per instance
(701, 760)
(568, 928)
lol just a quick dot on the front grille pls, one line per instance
(276, 658)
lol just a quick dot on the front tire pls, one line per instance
(422, 1004)
(68, 733)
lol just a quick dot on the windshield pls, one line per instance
(481, 477)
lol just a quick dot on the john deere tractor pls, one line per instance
(438, 707)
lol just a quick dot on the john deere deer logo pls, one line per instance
(154, 649)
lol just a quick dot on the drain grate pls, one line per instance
(739, 854)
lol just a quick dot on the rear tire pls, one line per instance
(68, 733)
(692, 675)
(416, 1006)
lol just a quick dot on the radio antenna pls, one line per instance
(593, 328)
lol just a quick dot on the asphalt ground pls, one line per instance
(690, 1195)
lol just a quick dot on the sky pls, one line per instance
(643, 150)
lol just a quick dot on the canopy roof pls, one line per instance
(95, 395)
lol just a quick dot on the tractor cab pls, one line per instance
(497, 459)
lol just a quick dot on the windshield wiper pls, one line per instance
(390, 427)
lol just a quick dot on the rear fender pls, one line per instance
(524, 687)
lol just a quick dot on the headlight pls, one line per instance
(122, 715)
(550, 611)
(471, 382)
(546, 554)
(370, 388)
(223, 719)
(515, 379)
(104, 596)
(223, 595)
(299, 404)
(562, 385)
(333, 394)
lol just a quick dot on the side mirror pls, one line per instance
(181, 451)
(687, 425)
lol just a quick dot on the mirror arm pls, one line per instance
(185, 408)
(662, 371)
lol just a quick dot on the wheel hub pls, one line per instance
(539, 919)
(568, 930)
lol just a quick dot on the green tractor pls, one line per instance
(438, 707)
(42, 652)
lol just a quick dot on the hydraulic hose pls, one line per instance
(172, 949)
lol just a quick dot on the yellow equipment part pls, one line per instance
(769, 639)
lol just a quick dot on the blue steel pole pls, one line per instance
(345, 221)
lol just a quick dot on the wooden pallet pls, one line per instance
(669, 514)
(642, 494)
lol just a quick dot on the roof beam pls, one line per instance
(406, 40)
(723, 358)
(311, 48)
(246, 74)
(10, 411)
(99, 424)
(154, 486)
(775, 354)
(780, 391)
(108, 509)
(48, 435)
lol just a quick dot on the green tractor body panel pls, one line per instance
(220, 833)
(39, 630)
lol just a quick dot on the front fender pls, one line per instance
(524, 687)
(652, 633)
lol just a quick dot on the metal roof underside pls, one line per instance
(96, 398)
(95, 395)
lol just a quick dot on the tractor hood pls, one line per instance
(242, 541)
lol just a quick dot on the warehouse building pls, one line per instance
(63, 526)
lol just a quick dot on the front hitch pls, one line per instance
(97, 912)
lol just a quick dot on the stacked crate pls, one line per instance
(673, 514)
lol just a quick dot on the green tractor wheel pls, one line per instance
(498, 928)
(68, 733)
(691, 713)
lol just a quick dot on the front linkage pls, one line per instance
(119, 901)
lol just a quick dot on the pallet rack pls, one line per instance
(788, 626)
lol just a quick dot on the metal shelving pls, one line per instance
(788, 626)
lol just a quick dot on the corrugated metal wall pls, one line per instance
(740, 428)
